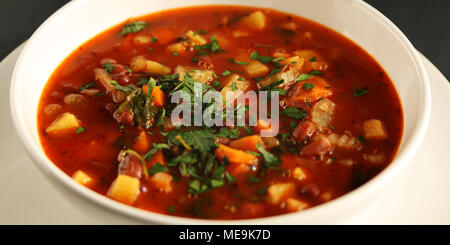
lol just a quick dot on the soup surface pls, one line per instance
(105, 115)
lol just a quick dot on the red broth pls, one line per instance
(306, 164)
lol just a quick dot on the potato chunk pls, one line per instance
(142, 64)
(176, 47)
(256, 69)
(277, 193)
(307, 54)
(195, 38)
(66, 122)
(241, 86)
(141, 39)
(203, 76)
(125, 189)
(255, 21)
(294, 205)
(82, 178)
(374, 129)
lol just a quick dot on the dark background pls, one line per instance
(425, 22)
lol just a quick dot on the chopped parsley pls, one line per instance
(264, 59)
(108, 67)
(226, 73)
(253, 179)
(88, 85)
(157, 168)
(135, 26)
(80, 130)
(295, 113)
(228, 133)
(242, 62)
(270, 160)
(308, 86)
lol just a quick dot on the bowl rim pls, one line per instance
(399, 162)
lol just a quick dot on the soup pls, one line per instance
(106, 115)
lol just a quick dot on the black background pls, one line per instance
(425, 22)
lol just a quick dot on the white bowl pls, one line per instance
(81, 20)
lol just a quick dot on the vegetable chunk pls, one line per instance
(294, 205)
(235, 156)
(125, 189)
(66, 122)
(82, 178)
(374, 129)
(322, 113)
(247, 143)
(310, 90)
(277, 193)
(255, 21)
(203, 76)
(236, 86)
(256, 69)
(161, 181)
(142, 64)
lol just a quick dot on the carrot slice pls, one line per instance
(157, 158)
(247, 143)
(157, 95)
(143, 142)
(235, 156)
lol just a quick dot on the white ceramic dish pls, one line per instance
(80, 20)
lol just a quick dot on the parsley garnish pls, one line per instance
(295, 113)
(157, 168)
(253, 179)
(242, 62)
(308, 86)
(86, 86)
(108, 67)
(135, 26)
(228, 133)
(80, 130)
(270, 160)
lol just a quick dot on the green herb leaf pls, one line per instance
(108, 67)
(270, 160)
(308, 86)
(135, 26)
(295, 113)
(228, 133)
(303, 77)
(157, 168)
(253, 179)
(242, 62)
(80, 130)
(86, 86)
